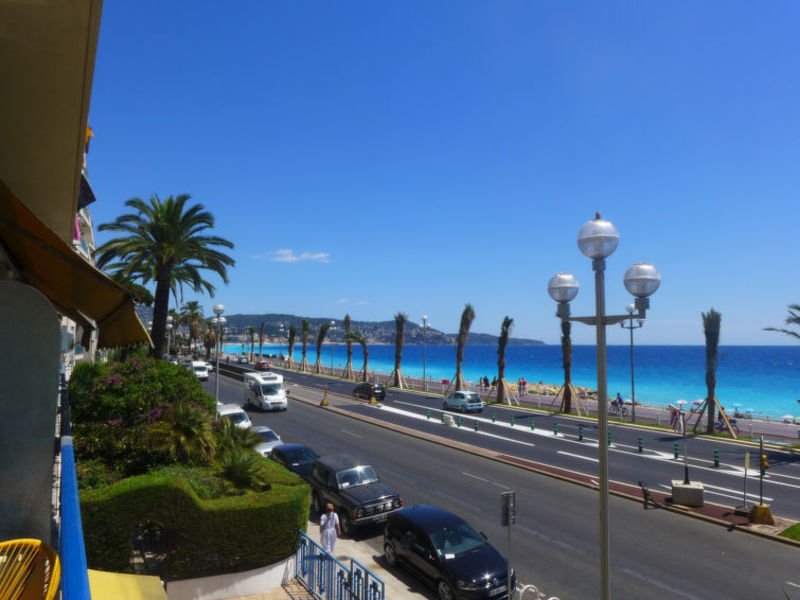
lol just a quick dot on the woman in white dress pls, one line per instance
(329, 528)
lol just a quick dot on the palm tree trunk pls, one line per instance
(160, 309)
(348, 369)
(365, 368)
(566, 358)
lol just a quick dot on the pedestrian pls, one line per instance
(329, 528)
(494, 382)
(524, 387)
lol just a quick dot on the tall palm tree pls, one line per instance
(139, 293)
(400, 320)
(251, 333)
(209, 338)
(191, 315)
(348, 370)
(360, 338)
(292, 335)
(166, 243)
(502, 342)
(712, 321)
(261, 339)
(304, 340)
(566, 361)
(467, 317)
(323, 331)
(792, 319)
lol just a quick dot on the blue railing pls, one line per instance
(328, 579)
(74, 573)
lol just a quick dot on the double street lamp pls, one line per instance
(219, 321)
(597, 240)
(630, 326)
(425, 352)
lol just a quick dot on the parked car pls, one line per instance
(355, 490)
(270, 440)
(235, 413)
(242, 360)
(295, 457)
(209, 366)
(445, 552)
(463, 401)
(199, 369)
(262, 365)
(368, 390)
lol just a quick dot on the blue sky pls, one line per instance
(376, 157)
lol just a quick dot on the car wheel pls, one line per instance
(316, 503)
(445, 591)
(389, 553)
(463, 410)
(444, 405)
(345, 524)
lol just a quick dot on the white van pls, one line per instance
(265, 391)
(200, 369)
(235, 413)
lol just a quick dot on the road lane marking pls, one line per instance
(474, 476)
(581, 456)
(500, 485)
(351, 433)
(716, 487)
(733, 496)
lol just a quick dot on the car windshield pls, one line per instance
(199, 368)
(356, 476)
(270, 389)
(237, 417)
(456, 538)
(300, 455)
(268, 436)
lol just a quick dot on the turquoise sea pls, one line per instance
(765, 379)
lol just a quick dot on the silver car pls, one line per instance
(269, 438)
(463, 401)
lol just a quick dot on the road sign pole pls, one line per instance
(508, 516)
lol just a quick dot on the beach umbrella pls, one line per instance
(681, 402)
(697, 402)
(787, 417)
(738, 405)
(748, 410)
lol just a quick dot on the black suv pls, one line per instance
(443, 550)
(355, 490)
(368, 390)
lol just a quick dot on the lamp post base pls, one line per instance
(761, 515)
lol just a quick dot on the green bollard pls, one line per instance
(675, 450)
(555, 428)
(608, 435)
(494, 416)
(641, 444)
(533, 424)
(716, 458)
(428, 413)
(580, 432)
(459, 420)
(512, 420)
(475, 424)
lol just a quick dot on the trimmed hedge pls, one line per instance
(204, 537)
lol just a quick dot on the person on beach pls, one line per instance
(329, 529)
(494, 382)
(524, 386)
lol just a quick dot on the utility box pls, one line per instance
(687, 494)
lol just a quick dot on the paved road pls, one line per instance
(654, 552)
(656, 466)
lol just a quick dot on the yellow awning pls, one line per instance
(121, 586)
(76, 288)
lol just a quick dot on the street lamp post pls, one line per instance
(332, 329)
(597, 240)
(425, 352)
(219, 320)
(630, 327)
(169, 334)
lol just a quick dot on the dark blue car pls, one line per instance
(444, 551)
(295, 457)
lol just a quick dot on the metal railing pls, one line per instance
(74, 571)
(329, 579)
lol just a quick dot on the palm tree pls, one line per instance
(304, 340)
(711, 326)
(323, 331)
(792, 319)
(292, 335)
(360, 338)
(251, 333)
(209, 338)
(261, 339)
(139, 293)
(191, 315)
(463, 331)
(502, 342)
(400, 320)
(566, 361)
(165, 244)
(230, 436)
(348, 370)
(185, 434)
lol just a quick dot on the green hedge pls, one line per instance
(204, 537)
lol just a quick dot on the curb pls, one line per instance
(540, 468)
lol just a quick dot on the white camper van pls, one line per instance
(265, 391)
